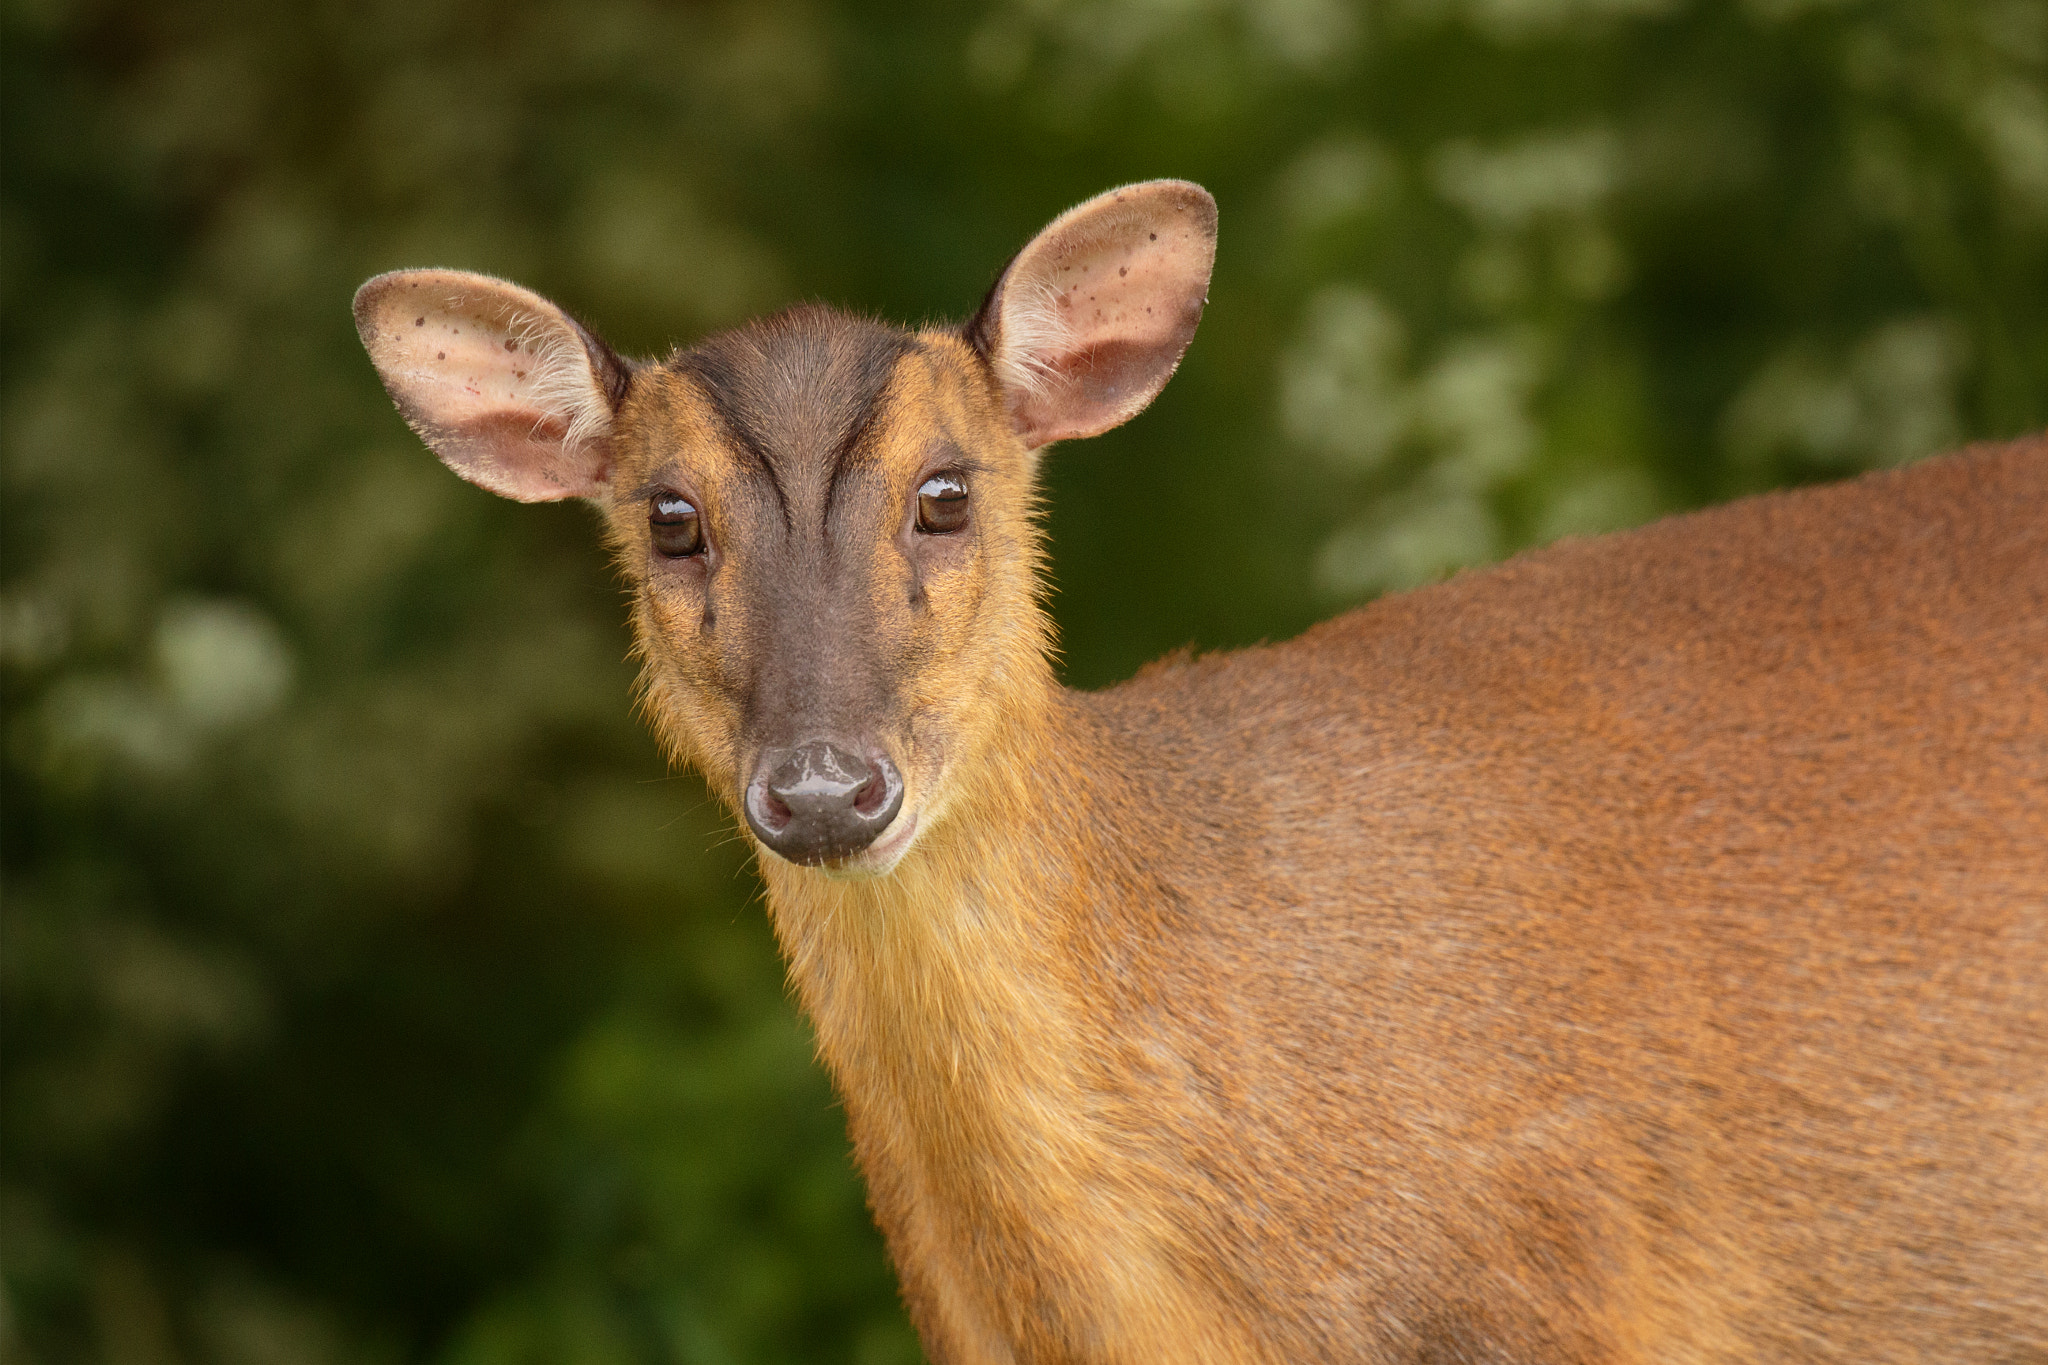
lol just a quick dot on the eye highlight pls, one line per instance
(675, 526)
(942, 504)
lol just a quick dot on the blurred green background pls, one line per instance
(371, 991)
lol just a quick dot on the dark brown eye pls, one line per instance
(942, 504)
(677, 530)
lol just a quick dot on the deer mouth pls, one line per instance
(878, 859)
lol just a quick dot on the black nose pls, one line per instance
(817, 803)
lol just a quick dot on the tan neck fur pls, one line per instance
(973, 1055)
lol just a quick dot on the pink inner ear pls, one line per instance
(495, 379)
(518, 453)
(1104, 377)
(1098, 309)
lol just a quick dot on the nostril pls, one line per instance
(872, 796)
(768, 813)
(881, 796)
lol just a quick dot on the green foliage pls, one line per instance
(371, 992)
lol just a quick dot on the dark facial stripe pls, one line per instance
(845, 457)
(723, 377)
(798, 391)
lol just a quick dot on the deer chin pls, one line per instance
(878, 859)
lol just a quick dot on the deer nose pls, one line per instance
(818, 803)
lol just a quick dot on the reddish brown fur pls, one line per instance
(1631, 953)
(1635, 952)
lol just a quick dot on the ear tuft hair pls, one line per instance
(1037, 330)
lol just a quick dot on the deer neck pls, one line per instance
(961, 1004)
(948, 984)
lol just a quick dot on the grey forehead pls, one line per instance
(798, 391)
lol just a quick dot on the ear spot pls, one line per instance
(1090, 319)
(510, 391)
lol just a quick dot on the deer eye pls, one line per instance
(673, 523)
(942, 504)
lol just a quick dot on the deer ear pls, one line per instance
(510, 391)
(1089, 321)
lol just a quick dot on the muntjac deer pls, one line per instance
(1635, 952)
